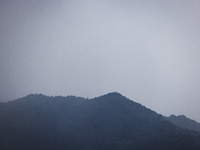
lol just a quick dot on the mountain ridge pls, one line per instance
(184, 122)
(111, 121)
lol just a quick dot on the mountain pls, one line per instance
(184, 122)
(108, 122)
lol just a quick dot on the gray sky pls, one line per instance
(148, 50)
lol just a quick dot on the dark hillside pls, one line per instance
(184, 122)
(109, 122)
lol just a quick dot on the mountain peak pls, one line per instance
(36, 95)
(112, 97)
(113, 94)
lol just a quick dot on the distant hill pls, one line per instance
(184, 122)
(108, 122)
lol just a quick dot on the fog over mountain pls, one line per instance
(147, 50)
(108, 122)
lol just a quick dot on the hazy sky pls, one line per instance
(148, 50)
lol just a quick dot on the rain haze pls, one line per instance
(149, 51)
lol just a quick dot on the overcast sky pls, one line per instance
(148, 50)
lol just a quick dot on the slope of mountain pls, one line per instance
(109, 122)
(184, 122)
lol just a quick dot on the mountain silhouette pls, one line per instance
(184, 122)
(108, 122)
